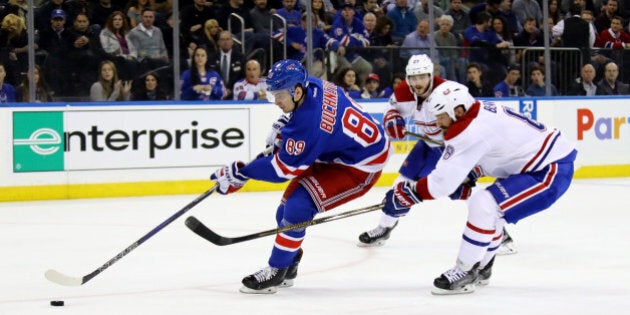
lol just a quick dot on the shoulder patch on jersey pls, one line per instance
(448, 152)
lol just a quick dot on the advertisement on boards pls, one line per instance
(128, 139)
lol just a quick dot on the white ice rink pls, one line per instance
(573, 258)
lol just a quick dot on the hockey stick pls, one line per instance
(423, 138)
(200, 229)
(60, 278)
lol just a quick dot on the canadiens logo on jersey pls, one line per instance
(448, 152)
(447, 92)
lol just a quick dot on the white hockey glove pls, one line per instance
(274, 138)
(229, 178)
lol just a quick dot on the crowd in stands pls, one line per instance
(108, 50)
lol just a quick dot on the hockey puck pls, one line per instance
(56, 303)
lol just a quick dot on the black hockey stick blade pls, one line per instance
(423, 138)
(62, 279)
(200, 229)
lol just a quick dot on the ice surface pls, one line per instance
(573, 258)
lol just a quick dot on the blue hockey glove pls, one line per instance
(394, 124)
(462, 192)
(401, 198)
(471, 178)
(274, 138)
(229, 178)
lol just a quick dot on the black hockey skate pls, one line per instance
(507, 245)
(485, 273)
(376, 236)
(292, 271)
(455, 281)
(264, 281)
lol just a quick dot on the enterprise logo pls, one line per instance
(43, 141)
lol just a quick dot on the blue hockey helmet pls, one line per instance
(285, 75)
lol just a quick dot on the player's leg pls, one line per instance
(419, 163)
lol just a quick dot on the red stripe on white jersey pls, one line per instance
(479, 230)
(543, 148)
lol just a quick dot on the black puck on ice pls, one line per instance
(56, 303)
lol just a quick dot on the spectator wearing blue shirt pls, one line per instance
(290, 12)
(487, 48)
(508, 87)
(405, 20)
(351, 33)
(200, 82)
(417, 39)
(7, 92)
(537, 87)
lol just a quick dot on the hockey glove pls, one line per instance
(229, 178)
(394, 124)
(471, 178)
(401, 198)
(462, 193)
(274, 138)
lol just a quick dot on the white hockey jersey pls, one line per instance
(246, 90)
(500, 141)
(405, 101)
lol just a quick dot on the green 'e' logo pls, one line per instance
(38, 142)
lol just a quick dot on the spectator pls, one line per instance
(609, 10)
(499, 26)
(324, 18)
(371, 6)
(296, 45)
(487, 54)
(13, 47)
(404, 21)
(193, 19)
(371, 89)
(261, 17)
(87, 53)
(554, 11)
(511, 22)
(530, 36)
(417, 42)
(149, 42)
(576, 32)
(200, 82)
(585, 84)
(477, 86)
(149, 89)
(616, 39)
(290, 12)
(346, 79)
(116, 43)
(389, 90)
(509, 86)
(491, 7)
(449, 58)
(461, 20)
(102, 9)
(210, 38)
(252, 87)
(228, 62)
(57, 43)
(134, 11)
(421, 11)
(109, 87)
(252, 40)
(527, 8)
(350, 32)
(7, 91)
(43, 13)
(42, 92)
(537, 86)
(610, 85)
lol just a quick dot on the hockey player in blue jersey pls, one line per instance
(533, 165)
(330, 149)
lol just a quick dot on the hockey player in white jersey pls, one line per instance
(532, 164)
(408, 102)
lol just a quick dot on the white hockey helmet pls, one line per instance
(420, 64)
(447, 96)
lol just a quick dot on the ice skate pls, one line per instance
(507, 245)
(376, 236)
(292, 271)
(264, 281)
(484, 273)
(455, 281)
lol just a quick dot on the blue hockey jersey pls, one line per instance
(328, 127)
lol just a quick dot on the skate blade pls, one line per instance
(287, 283)
(270, 290)
(375, 244)
(482, 282)
(469, 288)
(506, 249)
